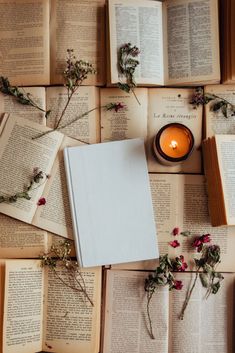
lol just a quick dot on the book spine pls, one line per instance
(72, 206)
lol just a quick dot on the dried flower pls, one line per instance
(41, 201)
(178, 285)
(59, 255)
(218, 103)
(162, 276)
(174, 243)
(19, 95)
(176, 231)
(199, 241)
(115, 106)
(207, 263)
(127, 65)
(38, 177)
(179, 264)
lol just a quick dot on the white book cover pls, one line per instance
(110, 201)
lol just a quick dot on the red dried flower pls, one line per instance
(41, 201)
(176, 231)
(198, 242)
(174, 243)
(118, 106)
(178, 285)
(180, 264)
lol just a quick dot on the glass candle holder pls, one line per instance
(173, 144)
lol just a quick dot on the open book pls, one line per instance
(35, 37)
(19, 239)
(215, 122)
(159, 107)
(219, 155)
(207, 325)
(181, 201)
(178, 40)
(39, 312)
(19, 155)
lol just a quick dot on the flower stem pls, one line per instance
(150, 294)
(65, 125)
(188, 296)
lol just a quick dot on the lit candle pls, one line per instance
(173, 144)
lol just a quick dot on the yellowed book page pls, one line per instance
(216, 122)
(9, 104)
(195, 218)
(19, 155)
(23, 306)
(78, 25)
(129, 122)
(192, 46)
(139, 23)
(24, 36)
(208, 323)
(170, 105)
(55, 215)
(2, 283)
(125, 315)
(20, 240)
(225, 146)
(85, 99)
(78, 328)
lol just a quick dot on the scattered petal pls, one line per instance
(176, 231)
(41, 201)
(174, 243)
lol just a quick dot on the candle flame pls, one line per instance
(173, 144)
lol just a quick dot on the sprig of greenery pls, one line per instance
(59, 256)
(20, 96)
(75, 73)
(37, 179)
(218, 103)
(127, 65)
(110, 106)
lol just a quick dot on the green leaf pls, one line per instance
(215, 287)
(124, 87)
(224, 110)
(186, 233)
(204, 280)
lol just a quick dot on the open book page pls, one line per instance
(23, 306)
(129, 122)
(215, 122)
(208, 323)
(9, 104)
(196, 220)
(125, 315)
(78, 25)
(55, 215)
(18, 156)
(85, 99)
(24, 36)
(170, 105)
(192, 46)
(71, 323)
(225, 147)
(181, 201)
(20, 240)
(139, 23)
